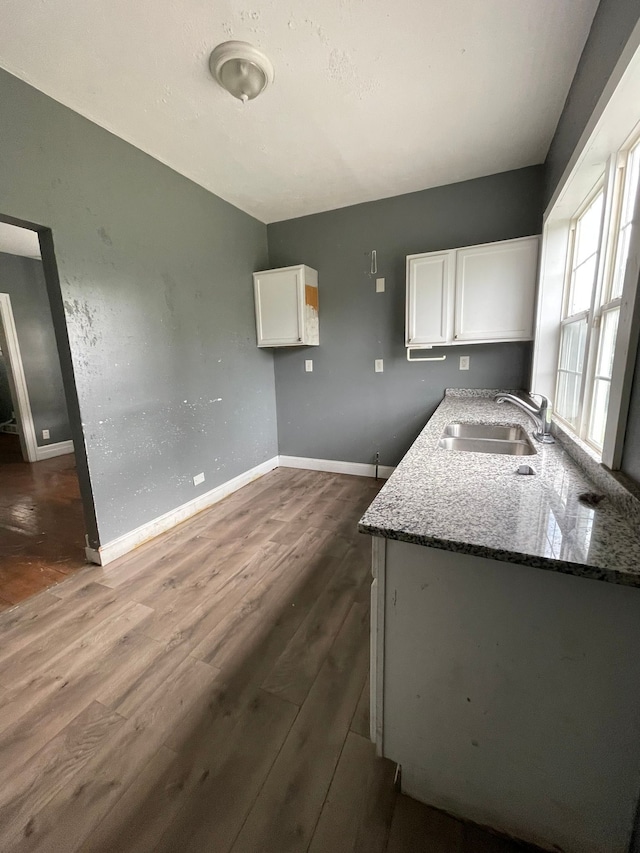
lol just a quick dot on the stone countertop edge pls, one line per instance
(434, 498)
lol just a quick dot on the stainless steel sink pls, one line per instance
(504, 433)
(487, 438)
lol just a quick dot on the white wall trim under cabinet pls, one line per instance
(123, 544)
(333, 466)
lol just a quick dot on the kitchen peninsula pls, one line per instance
(505, 636)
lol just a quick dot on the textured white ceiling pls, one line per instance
(371, 98)
(19, 241)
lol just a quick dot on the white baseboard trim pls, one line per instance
(123, 544)
(358, 469)
(59, 448)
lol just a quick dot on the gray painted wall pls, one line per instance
(155, 274)
(343, 410)
(23, 280)
(612, 25)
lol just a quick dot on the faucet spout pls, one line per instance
(541, 416)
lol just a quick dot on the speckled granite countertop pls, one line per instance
(477, 504)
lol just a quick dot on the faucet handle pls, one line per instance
(545, 411)
(544, 400)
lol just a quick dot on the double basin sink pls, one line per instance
(487, 438)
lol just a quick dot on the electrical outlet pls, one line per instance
(379, 365)
(379, 285)
(45, 433)
(308, 365)
(199, 478)
(464, 362)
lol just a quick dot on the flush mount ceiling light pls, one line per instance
(241, 69)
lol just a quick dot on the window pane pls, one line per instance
(602, 381)
(620, 266)
(573, 338)
(584, 261)
(607, 344)
(588, 230)
(568, 396)
(561, 394)
(582, 285)
(632, 177)
(599, 408)
(573, 397)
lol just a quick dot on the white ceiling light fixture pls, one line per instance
(241, 69)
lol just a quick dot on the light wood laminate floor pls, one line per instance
(209, 693)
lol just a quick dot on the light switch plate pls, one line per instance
(464, 362)
(379, 285)
(379, 365)
(308, 365)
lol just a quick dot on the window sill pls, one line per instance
(566, 437)
(614, 484)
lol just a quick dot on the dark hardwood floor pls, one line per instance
(209, 693)
(41, 523)
(10, 450)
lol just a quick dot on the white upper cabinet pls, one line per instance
(472, 295)
(495, 291)
(287, 306)
(429, 298)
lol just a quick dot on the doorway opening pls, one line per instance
(42, 523)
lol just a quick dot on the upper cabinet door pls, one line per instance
(495, 291)
(429, 298)
(279, 320)
(287, 307)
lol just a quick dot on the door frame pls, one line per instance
(58, 314)
(17, 380)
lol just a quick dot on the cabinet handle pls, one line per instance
(299, 339)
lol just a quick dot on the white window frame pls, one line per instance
(628, 323)
(612, 127)
(586, 314)
(612, 184)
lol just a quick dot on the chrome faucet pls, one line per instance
(540, 416)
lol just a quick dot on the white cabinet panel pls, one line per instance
(277, 307)
(495, 291)
(429, 290)
(286, 306)
(510, 694)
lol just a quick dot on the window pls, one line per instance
(584, 354)
(632, 174)
(599, 242)
(579, 290)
